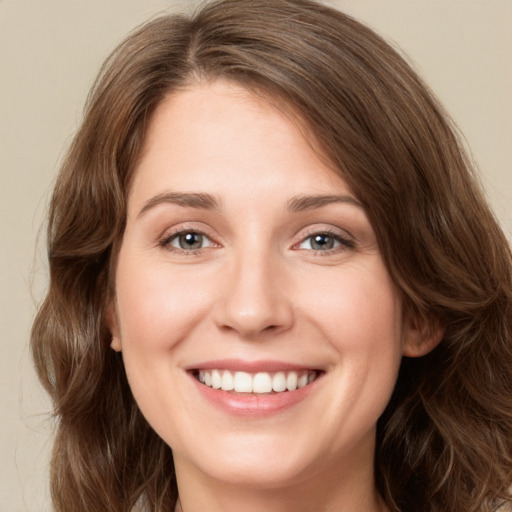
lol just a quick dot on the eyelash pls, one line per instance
(345, 242)
(168, 238)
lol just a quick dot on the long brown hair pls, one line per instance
(444, 442)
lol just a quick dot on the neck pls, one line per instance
(378, 506)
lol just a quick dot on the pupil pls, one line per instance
(322, 242)
(191, 241)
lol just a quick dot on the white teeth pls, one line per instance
(216, 379)
(291, 381)
(261, 382)
(279, 382)
(227, 383)
(303, 380)
(243, 382)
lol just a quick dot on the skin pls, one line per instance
(255, 289)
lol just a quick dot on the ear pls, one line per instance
(421, 335)
(113, 326)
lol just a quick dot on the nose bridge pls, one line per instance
(254, 298)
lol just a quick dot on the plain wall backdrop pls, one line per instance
(50, 52)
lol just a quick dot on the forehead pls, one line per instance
(215, 134)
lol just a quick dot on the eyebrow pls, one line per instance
(209, 202)
(191, 200)
(307, 202)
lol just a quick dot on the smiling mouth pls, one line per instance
(256, 383)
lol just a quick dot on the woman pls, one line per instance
(275, 284)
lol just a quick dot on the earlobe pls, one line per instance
(113, 326)
(115, 344)
(421, 336)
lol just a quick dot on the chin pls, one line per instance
(259, 462)
(258, 474)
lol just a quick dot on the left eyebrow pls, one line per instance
(303, 202)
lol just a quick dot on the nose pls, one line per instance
(255, 299)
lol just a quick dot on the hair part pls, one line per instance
(444, 439)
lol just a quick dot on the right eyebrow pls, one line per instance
(191, 200)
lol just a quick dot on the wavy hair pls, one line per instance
(444, 442)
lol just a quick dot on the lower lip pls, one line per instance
(254, 405)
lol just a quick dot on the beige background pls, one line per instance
(49, 54)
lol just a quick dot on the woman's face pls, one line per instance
(247, 263)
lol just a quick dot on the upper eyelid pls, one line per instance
(318, 229)
(186, 227)
(174, 234)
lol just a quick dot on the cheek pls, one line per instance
(359, 307)
(157, 309)
(360, 317)
(157, 306)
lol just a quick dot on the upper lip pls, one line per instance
(240, 365)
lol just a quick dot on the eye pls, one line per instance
(325, 242)
(187, 241)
